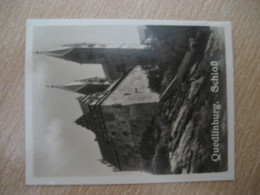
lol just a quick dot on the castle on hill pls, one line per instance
(119, 108)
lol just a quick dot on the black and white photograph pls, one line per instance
(128, 101)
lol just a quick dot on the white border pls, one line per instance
(32, 180)
(230, 99)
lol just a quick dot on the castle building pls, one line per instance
(121, 108)
(116, 59)
(119, 116)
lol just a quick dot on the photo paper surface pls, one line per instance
(128, 101)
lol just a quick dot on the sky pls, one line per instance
(60, 147)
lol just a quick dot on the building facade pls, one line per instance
(119, 117)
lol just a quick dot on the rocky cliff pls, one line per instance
(193, 118)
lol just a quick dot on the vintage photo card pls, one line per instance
(128, 101)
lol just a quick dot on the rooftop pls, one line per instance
(133, 89)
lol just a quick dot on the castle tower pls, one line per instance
(116, 59)
(85, 86)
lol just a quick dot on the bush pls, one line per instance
(160, 163)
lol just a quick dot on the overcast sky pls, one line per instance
(62, 148)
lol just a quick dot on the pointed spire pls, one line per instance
(71, 52)
(66, 53)
(50, 86)
(84, 86)
(72, 86)
(59, 52)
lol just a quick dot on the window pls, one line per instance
(111, 126)
(125, 133)
(102, 81)
(113, 133)
(109, 117)
(117, 105)
(128, 145)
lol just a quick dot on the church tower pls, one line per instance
(116, 59)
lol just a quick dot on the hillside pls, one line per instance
(187, 143)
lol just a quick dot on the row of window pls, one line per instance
(125, 133)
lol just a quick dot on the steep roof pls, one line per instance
(132, 89)
(85, 86)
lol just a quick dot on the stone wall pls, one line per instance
(125, 126)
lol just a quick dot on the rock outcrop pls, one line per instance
(188, 111)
